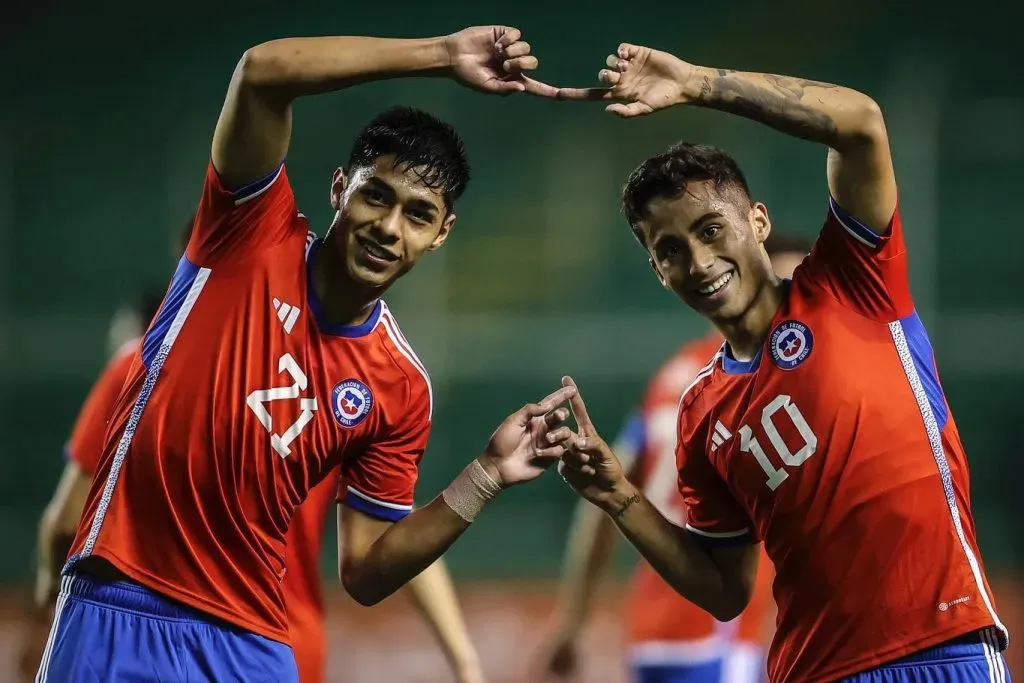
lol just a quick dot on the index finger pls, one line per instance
(579, 408)
(539, 88)
(551, 401)
(584, 94)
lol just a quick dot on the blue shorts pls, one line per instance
(703, 672)
(960, 661)
(120, 631)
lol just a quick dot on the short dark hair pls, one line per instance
(667, 174)
(418, 141)
(787, 242)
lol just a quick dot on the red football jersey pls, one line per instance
(302, 582)
(836, 446)
(303, 587)
(241, 400)
(661, 626)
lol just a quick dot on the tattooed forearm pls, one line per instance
(626, 504)
(811, 110)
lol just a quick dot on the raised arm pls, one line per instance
(254, 129)
(860, 173)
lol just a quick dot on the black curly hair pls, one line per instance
(419, 141)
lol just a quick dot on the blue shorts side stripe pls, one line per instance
(960, 661)
(128, 632)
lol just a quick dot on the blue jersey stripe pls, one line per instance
(924, 361)
(257, 187)
(853, 225)
(184, 277)
(388, 514)
(185, 289)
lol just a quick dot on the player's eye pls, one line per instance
(421, 217)
(666, 250)
(374, 196)
(710, 232)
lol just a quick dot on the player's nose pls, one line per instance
(702, 261)
(390, 224)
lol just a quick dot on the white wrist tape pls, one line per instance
(471, 491)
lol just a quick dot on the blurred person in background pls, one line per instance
(431, 591)
(668, 639)
(821, 427)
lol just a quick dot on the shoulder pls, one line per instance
(677, 373)
(417, 389)
(691, 396)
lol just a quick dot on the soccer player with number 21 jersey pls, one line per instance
(273, 362)
(820, 428)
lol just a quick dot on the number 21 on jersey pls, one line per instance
(307, 405)
(780, 408)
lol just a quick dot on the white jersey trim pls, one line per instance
(931, 426)
(202, 275)
(383, 504)
(259, 187)
(718, 534)
(400, 342)
(703, 373)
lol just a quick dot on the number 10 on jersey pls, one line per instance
(769, 416)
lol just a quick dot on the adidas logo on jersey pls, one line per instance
(721, 435)
(287, 314)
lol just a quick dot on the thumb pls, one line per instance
(628, 110)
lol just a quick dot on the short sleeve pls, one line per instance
(862, 270)
(236, 223)
(712, 513)
(88, 435)
(381, 482)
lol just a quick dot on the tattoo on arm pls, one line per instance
(778, 101)
(626, 504)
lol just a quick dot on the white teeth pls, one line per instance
(376, 251)
(722, 281)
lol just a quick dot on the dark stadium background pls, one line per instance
(106, 110)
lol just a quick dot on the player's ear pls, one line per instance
(442, 234)
(657, 273)
(339, 181)
(760, 222)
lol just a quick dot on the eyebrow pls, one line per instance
(412, 202)
(706, 217)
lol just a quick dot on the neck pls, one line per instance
(342, 300)
(746, 333)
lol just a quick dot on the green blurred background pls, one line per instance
(106, 113)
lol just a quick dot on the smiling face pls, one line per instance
(706, 246)
(386, 219)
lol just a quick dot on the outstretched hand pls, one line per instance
(529, 441)
(494, 59)
(588, 465)
(638, 81)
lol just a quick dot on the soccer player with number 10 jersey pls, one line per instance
(820, 428)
